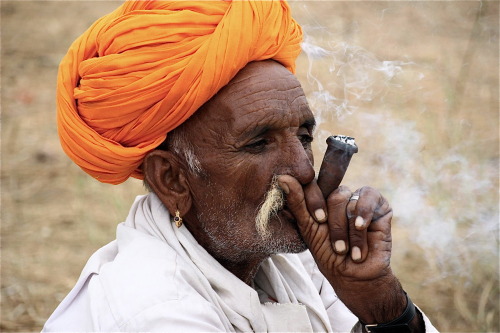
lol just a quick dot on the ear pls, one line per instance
(167, 179)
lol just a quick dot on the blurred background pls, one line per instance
(416, 82)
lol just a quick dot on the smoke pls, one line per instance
(444, 199)
(355, 75)
(438, 190)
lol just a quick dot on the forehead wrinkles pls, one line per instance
(263, 94)
(278, 100)
(260, 81)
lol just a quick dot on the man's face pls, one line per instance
(257, 127)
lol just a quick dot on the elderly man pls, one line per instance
(235, 234)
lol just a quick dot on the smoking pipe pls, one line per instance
(335, 162)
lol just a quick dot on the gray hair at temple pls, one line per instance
(178, 143)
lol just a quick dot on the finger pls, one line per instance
(383, 211)
(295, 200)
(357, 240)
(369, 207)
(315, 202)
(337, 219)
(361, 214)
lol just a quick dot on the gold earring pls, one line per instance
(178, 219)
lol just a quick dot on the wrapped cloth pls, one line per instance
(142, 70)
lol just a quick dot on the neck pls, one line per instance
(243, 265)
(244, 270)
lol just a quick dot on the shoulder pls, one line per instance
(144, 286)
(148, 286)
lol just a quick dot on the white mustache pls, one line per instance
(273, 203)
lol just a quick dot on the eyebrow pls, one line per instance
(259, 130)
(256, 131)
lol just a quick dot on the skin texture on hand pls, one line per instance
(360, 270)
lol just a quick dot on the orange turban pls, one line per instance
(142, 70)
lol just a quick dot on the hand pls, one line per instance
(351, 244)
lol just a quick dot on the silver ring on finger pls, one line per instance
(354, 196)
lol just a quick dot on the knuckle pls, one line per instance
(295, 198)
(301, 200)
(337, 199)
(368, 190)
(370, 193)
(356, 238)
(336, 229)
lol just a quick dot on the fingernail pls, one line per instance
(355, 253)
(284, 187)
(340, 246)
(320, 215)
(359, 222)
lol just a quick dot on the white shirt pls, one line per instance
(156, 277)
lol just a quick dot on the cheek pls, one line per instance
(251, 180)
(246, 177)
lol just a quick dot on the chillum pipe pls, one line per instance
(337, 157)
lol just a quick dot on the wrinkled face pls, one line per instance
(257, 127)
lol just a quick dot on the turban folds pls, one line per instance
(142, 70)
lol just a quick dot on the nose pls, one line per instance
(297, 162)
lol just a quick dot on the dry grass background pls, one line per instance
(415, 82)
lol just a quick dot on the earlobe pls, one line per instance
(165, 175)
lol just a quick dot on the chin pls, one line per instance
(284, 235)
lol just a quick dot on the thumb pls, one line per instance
(296, 202)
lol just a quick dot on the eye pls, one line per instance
(306, 140)
(257, 146)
